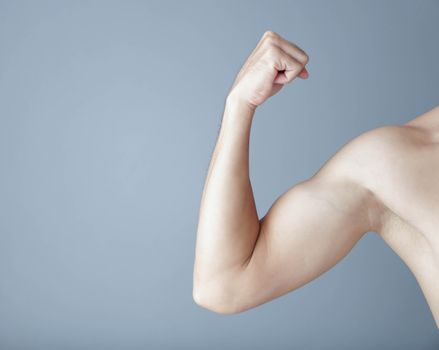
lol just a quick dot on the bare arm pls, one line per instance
(242, 261)
(228, 223)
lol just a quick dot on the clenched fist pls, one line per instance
(273, 63)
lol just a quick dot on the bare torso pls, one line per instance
(405, 180)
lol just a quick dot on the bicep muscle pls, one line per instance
(306, 231)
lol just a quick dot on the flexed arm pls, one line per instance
(242, 261)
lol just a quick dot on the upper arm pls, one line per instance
(306, 231)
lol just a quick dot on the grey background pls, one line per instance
(109, 113)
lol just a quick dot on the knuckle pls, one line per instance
(305, 58)
(267, 43)
(270, 36)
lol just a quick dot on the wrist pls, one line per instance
(237, 102)
(237, 109)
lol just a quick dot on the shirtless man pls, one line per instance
(385, 180)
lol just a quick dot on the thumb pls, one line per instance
(281, 78)
(303, 74)
(288, 68)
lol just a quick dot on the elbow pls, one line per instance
(216, 298)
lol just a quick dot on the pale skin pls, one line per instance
(385, 180)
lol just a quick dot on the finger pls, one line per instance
(269, 38)
(266, 37)
(304, 74)
(290, 48)
(287, 66)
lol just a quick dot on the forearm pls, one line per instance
(228, 229)
(228, 222)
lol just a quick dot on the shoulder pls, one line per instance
(363, 161)
(370, 153)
